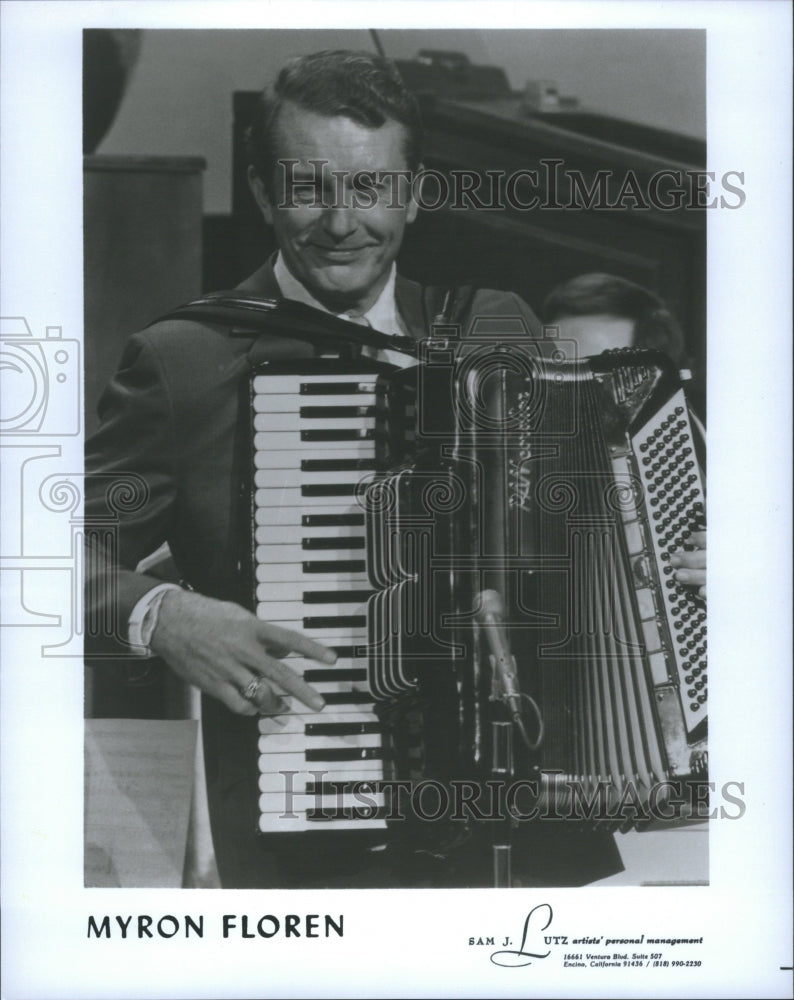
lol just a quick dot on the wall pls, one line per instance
(179, 98)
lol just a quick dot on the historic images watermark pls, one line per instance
(552, 186)
(550, 795)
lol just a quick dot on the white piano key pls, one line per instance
(282, 803)
(279, 571)
(269, 422)
(310, 581)
(282, 402)
(268, 458)
(356, 662)
(296, 555)
(277, 611)
(269, 724)
(295, 761)
(296, 477)
(294, 533)
(269, 823)
(291, 441)
(324, 635)
(297, 775)
(270, 517)
(279, 422)
(291, 497)
(284, 742)
(296, 590)
(328, 688)
(297, 723)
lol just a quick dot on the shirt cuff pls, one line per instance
(143, 619)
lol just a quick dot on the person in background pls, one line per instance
(603, 311)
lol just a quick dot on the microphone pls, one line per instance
(503, 664)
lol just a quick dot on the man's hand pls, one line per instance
(222, 649)
(691, 566)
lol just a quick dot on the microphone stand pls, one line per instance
(504, 688)
(502, 768)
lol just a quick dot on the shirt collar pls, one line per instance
(382, 315)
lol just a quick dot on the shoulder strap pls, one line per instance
(247, 315)
(448, 305)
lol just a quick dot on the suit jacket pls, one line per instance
(163, 466)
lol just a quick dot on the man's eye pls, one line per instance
(308, 194)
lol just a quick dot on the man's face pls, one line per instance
(341, 251)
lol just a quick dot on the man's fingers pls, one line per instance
(233, 700)
(696, 559)
(290, 682)
(283, 640)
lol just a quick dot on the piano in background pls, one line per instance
(474, 121)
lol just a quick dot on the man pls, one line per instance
(170, 425)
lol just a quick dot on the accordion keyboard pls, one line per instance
(674, 498)
(313, 453)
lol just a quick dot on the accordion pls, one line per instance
(485, 539)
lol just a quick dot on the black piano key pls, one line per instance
(347, 697)
(336, 596)
(336, 621)
(336, 566)
(332, 520)
(335, 434)
(328, 814)
(355, 542)
(336, 412)
(345, 753)
(342, 728)
(338, 465)
(335, 388)
(315, 676)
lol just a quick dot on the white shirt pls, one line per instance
(382, 315)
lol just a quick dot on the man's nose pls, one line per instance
(340, 221)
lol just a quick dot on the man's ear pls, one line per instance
(261, 197)
(416, 186)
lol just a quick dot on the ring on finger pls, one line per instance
(251, 692)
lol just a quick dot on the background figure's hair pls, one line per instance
(599, 294)
(366, 88)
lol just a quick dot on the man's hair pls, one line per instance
(608, 295)
(366, 88)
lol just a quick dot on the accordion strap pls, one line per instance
(247, 315)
